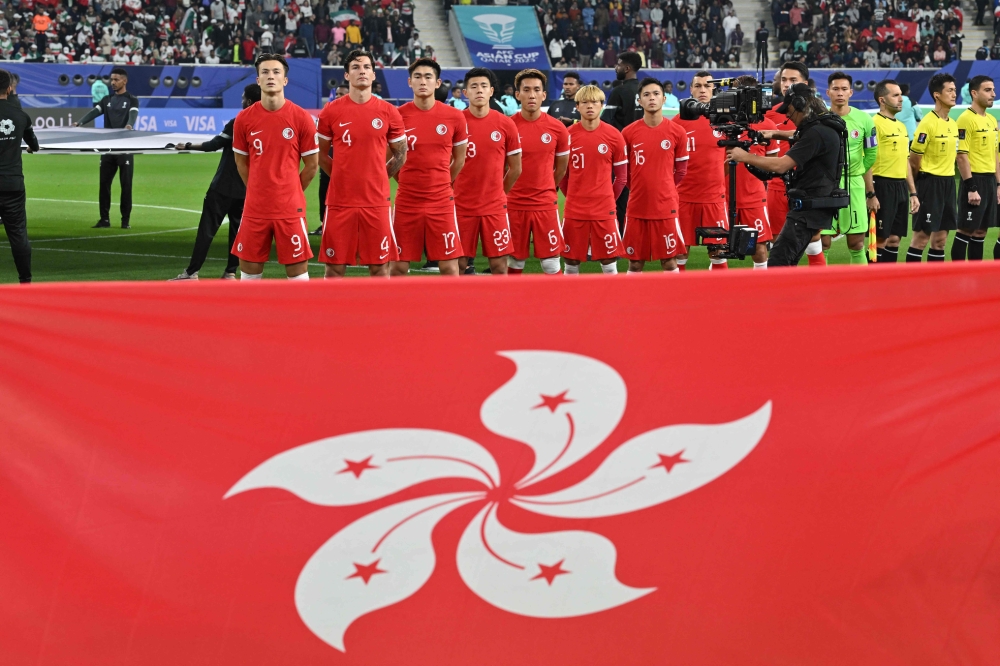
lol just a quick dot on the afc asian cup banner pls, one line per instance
(502, 37)
(798, 467)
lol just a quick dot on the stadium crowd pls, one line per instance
(168, 32)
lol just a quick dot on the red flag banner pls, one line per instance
(908, 29)
(797, 467)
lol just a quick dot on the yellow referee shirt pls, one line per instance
(937, 141)
(977, 137)
(892, 142)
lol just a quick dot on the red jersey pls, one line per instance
(275, 142)
(781, 122)
(479, 186)
(750, 192)
(653, 153)
(425, 179)
(359, 134)
(542, 140)
(590, 193)
(705, 181)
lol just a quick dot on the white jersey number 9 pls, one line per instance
(259, 146)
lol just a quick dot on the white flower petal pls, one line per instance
(363, 466)
(561, 405)
(555, 574)
(376, 561)
(654, 467)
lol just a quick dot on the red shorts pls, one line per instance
(357, 234)
(494, 229)
(694, 215)
(542, 226)
(647, 240)
(756, 218)
(253, 241)
(599, 237)
(777, 209)
(435, 231)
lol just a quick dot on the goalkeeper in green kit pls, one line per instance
(862, 150)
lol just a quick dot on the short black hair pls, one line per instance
(357, 54)
(702, 73)
(424, 62)
(632, 59)
(882, 88)
(572, 75)
(745, 81)
(798, 67)
(904, 88)
(454, 88)
(252, 92)
(480, 73)
(650, 81)
(977, 81)
(840, 76)
(5, 80)
(120, 71)
(264, 57)
(343, 84)
(937, 82)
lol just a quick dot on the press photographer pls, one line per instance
(817, 157)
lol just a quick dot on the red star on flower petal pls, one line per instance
(553, 401)
(366, 571)
(356, 468)
(549, 573)
(668, 462)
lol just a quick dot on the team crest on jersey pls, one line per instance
(287, 133)
(441, 129)
(546, 138)
(377, 123)
(855, 134)
(717, 134)
(630, 250)
(496, 136)
(665, 144)
(603, 148)
(329, 251)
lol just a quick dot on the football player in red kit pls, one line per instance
(424, 214)
(751, 196)
(658, 159)
(492, 166)
(597, 152)
(364, 131)
(270, 138)
(702, 193)
(533, 203)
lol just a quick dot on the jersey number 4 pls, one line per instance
(346, 138)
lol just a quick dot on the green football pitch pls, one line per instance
(167, 195)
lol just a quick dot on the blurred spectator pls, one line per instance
(456, 99)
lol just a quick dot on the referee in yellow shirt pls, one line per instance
(978, 165)
(932, 158)
(895, 191)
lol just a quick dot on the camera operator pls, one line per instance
(815, 154)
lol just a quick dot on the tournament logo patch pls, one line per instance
(546, 138)
(922, 138)
(496, 136)
(665, 144)
(287, 133)
(6, 126)
(441, 129)
(377, 123)
(961, 135)
(602, 148)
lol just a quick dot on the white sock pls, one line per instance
(814, 248)
(682, 262)
(632, 272)
(672, 270)
(716, 262)
(760, 267)
(250, 276)
(550, 266)
(610, 269)
(515, 263)
(572, 270)
(303, 276)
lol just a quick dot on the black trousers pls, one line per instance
(122, 164)
(791, 243)
(761, 53)
(15, 222)
(621, 206)
(324, 185)
(213, 210)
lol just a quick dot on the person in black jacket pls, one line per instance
(15, 125)
(120, 111)
(622, 110)
(225, 196)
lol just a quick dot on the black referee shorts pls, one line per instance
(893, 213)
(983, 216)
(937, 204)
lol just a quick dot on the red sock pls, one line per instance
(816, 259)
(682, 265)
(722, 265)
(514, 271)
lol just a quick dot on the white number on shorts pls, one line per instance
(759, 226)
(639, 158)
(412, 140)
(578, 161)
(471, 150)
(501, 238)
(259, 146)
(720, 223)
(385, 244)
(553, 239)
(347, 137)
(610, 241)
(670, 241)
(690, 144)
(449, 240)
(297, 244)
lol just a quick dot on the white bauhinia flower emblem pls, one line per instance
(561, 405)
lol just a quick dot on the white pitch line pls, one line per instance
(125, 235)
(115, 203)
(154, 256)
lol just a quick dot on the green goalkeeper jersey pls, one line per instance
(862, 142)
